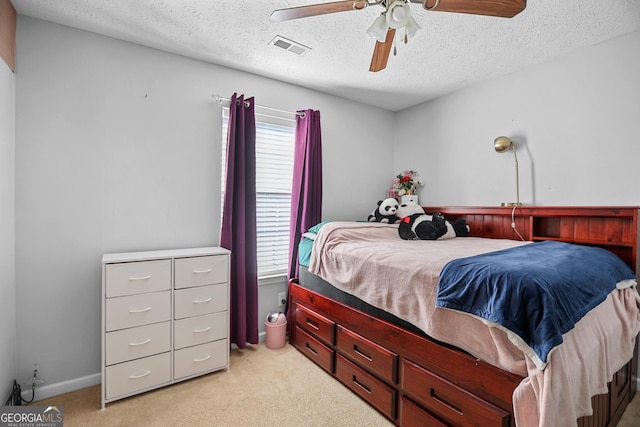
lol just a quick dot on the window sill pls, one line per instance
(272, 279)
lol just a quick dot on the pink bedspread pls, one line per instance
(370, 261)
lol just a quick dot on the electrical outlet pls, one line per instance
(35, 380)
(282, 298)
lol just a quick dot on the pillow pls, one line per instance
(306, 243)
(304, 252)
(317, 227)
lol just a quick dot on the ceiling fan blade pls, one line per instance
(317, 9)
(500, 8)
(381, 52)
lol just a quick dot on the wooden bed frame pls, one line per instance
(416, 381)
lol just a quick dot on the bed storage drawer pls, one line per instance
(314, 349)
(448, 401)
(315, 323)
(368, 354)
(411, 415)
(368, 387)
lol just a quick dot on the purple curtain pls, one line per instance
(306, 192)
(238, 233)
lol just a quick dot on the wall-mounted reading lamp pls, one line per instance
(503, 144)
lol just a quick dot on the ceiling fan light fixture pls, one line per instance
(398, 14)
(378, 30)
(412, 27)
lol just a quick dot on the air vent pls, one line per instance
(290, 45)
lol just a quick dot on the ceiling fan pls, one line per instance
(397, 16)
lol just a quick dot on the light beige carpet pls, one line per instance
(262, 388)
(278, 388)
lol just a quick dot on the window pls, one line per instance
(275, 138)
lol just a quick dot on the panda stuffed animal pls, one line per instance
(431, 227)
(385, 212)
(408, 206)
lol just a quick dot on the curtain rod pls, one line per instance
(219, 99)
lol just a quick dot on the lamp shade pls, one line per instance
(502, 144)
(378, 30)
(398, 14)
(412, 27)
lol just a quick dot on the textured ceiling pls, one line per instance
(450, 52)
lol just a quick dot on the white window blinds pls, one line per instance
(275, 139)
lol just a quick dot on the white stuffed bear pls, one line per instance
(408, 207)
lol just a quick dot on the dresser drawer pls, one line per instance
(201, 300)
(368, 354)
(368, 387)
(131, 278)
(200, 329)
(135, 343)
(202, 358)
(200, 271)
(137, 310)
(315, 323)
(137, 375)
(447, 401)
(411, 415)
(314, 349)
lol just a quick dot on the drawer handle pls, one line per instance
(311, 349)
(139, 278)
(203, 359)
(208, 270)
(201, 301)
(133, 377)
(133, 344)
(437, 398)
(139, 311)
(359, 384)
(357, 350)
(312, 324)
(197, 331)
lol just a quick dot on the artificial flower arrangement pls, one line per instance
(405, 184)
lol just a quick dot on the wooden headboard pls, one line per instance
(614, 228)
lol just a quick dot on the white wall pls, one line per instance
(7, 231)
(575, 120)
(118, 149)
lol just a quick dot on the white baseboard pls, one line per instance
(50, 390)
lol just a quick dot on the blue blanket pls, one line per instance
(537, 291)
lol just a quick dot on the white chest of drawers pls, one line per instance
(165, 318)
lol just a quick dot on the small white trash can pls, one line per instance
(276, 332)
